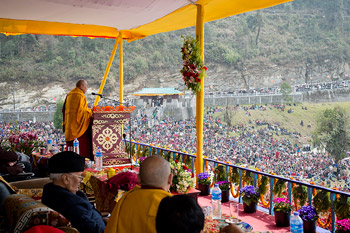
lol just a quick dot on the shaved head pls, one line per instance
(155, 171)
(82, 85)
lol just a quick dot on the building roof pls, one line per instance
(158, 92)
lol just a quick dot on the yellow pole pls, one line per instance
(107, 70)
(200, 95)
(121, 77)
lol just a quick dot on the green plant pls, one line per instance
(282, 205)
(263, 187)
(220, 173)
(342, 207)
(249, 194)
(234, 176)
(279, 188)
(224, 185)
(300, 193)
(203, 178)
(248, 178)
(321, 201)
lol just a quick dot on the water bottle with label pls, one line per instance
(48, 144)
(76, 146)
(296, 223)
(98, 159)
(216, 202)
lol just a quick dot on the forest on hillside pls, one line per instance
(303, 32)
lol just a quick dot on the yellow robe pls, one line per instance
(76, 115)
(136, 211)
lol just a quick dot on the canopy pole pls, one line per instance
(200, 95)
(107, 69)
(121, 74)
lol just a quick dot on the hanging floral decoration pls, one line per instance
(193, 70)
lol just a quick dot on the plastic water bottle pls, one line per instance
(76, 146)
(99, 159)
(216, 202)
(296, 223)
(48, 144)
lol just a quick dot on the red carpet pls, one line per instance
(260, 221)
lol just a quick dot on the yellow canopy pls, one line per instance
(135, 19)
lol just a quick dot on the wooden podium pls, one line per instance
(107, 133)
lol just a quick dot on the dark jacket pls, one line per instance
(74, 207)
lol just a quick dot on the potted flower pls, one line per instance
(250, 196)
(309, 216)
(343, 226)
(225, 189)
(282, 208)
(182, 177)
(204, 183)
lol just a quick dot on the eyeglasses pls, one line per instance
(79, 177)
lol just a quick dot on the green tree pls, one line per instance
(286, 90)
(331, 132)
(58, 117)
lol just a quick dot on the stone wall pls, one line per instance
(26, 116)
(185, 108)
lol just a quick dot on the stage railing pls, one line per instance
(154, 150)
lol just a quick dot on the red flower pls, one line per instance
(197, 80)
(184, 167)
(205, 68)
(176, 161)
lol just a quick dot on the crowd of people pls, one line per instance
(256, 144)
(260, 144)
(43, 130)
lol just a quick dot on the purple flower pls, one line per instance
(308, 213)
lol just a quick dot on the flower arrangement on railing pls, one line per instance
(183, 178)
(204, 178)
(279, 187)
(308, 213)
(299, 194)
(220, 173)
(25, 142)
(249, 194)
(282, 204)
(343, 226)
(342, 207)
(193, 70)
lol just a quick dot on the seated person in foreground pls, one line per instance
(8, 163)
(62, 194)
(181, 213)
(137, 209)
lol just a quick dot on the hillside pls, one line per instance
(302, 41)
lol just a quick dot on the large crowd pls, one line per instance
(255, 144)
(43, 130)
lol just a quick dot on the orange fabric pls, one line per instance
(76, 115)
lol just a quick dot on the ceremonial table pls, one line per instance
(107, 133)
(95, 184)
(214, 225)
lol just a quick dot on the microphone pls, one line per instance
(100, 95)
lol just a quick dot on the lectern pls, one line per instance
(107, 133)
